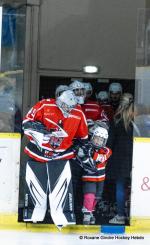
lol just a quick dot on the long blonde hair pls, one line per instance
(125, 110)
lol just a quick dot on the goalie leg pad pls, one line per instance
(36, 188)
(60, 192)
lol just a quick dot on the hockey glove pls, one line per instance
(89, 165)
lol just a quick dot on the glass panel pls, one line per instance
(12, 61)
(142, 87)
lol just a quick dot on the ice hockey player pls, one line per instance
(83, 92)
(51, 126)
(54, 115)
(94, 162)
(103, 100)
(115, 92)
(89, 90)
(91, 108)
(78, 88)
(60, 89)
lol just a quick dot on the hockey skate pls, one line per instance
(93, 220)
(117, 220)
(88, 218)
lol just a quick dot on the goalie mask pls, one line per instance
(79, 90)
(99, 137)
(66, 102)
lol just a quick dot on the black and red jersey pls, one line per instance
(100, 157)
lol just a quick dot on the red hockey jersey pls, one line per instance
(100, 157)
(48, 113)
(109, 111)
(94, 111)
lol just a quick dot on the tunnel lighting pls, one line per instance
(90, 69)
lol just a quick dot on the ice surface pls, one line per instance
(34, 238)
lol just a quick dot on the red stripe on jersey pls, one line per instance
(98, 179)
(39, 159)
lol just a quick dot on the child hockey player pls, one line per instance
(94, 171)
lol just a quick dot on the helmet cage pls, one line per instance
(98, 141)
(66, 102)
(99, 137)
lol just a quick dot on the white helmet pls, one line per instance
(79, 90)
(88, 89)
(103, 96)
(97, 123)
(60, 89)
(115, 88)
(99, 137)
(66, 102)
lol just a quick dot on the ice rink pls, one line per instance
(34, 238)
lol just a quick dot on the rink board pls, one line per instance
(140, 198)
(9, 222)
(9, 171)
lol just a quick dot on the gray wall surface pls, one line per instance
(73, 33)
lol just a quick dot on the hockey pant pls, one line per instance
(49, 181)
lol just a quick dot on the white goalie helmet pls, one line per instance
(103, 96)
(115, 88)
(60, 89)
(66, 102)
(99, 137)
(78, 88)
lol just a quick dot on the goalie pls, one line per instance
(51, 126)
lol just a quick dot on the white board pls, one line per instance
(9, 172)
(140, 194)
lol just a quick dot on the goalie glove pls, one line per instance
(34, 126)
(41, 136)
(37, 133)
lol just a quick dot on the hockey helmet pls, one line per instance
(79, 90)
(88, 89)
(102, 96)
(66, 102)
(99, 137)
(60, 89)
(115, 88)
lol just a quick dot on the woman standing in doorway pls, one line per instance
(121, 142)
